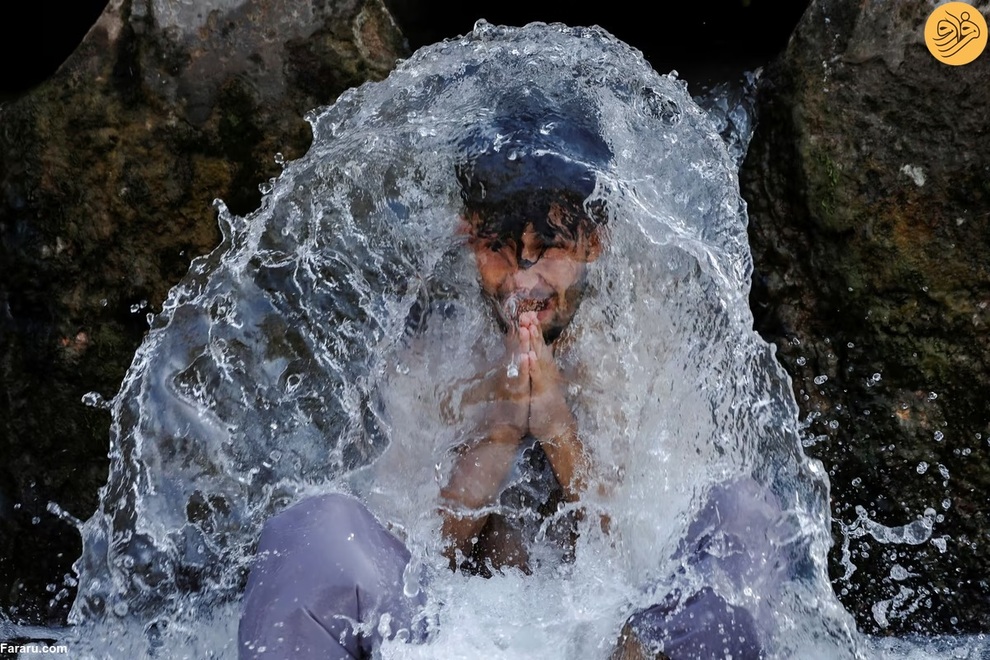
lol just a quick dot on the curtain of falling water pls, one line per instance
(286, 364)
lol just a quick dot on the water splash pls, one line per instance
(326, 344)
(732, 108)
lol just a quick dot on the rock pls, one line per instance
(868, 183)
(107, 172)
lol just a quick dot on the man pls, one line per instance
(328, 573)
(533, 239)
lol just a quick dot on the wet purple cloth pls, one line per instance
(731, 546)
(323, 566)
(703, 625)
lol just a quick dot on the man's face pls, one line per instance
(534, 272)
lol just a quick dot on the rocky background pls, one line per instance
(107, 173)
(868, 189)
(868, 183)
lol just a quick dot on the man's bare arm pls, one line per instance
(501, 412)
(475, 481)
(558, 435)
(551, 420)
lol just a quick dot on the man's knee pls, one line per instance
(701, 626)
(314, 513)
(332, 525)
(322, 564)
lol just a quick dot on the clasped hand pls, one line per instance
(532, 401)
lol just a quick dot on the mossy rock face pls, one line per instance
(107, 174)
(868, 184)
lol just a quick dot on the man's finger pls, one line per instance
(525, 339)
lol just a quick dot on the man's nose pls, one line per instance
(530, 248)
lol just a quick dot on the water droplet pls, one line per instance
(932, 396)
(819, 380)
(922, 467)
(938, 436)
(483, 28)
(802, 361)
(661, 107)
(95, 400)
(880, 612)
(898, 572)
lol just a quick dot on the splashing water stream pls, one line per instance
(326, 345)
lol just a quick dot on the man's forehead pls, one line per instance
(561, 220)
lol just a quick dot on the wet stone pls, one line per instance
(106, 172)
(864, 181)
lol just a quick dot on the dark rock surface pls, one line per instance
(106, 174)
(33, 45)
(868, 183)
(706, 43)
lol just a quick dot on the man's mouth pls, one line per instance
(531, 305)
(516, 304)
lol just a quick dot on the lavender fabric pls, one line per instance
(323, 567)
(730, 543)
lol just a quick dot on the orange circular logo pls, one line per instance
(956, 33)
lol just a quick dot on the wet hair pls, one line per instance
(533, 155)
